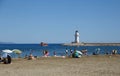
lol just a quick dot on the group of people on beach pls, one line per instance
(6, 58)
(69, 52)
(113, 52)
(31, 57)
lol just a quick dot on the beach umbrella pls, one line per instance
(79, 52)
(17, 51)
(4, 55)
(7, 51)
(76, 55)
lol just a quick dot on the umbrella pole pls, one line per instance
(19, 56)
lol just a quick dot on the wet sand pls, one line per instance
(84, 66)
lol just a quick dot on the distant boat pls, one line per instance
(43, 44)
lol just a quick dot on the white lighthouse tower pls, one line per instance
(77, 36)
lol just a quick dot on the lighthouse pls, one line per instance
(77, 36)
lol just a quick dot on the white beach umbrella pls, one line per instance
(7, 51)
(79, 52)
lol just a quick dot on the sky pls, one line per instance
(55, 21)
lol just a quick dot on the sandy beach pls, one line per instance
(108, 65)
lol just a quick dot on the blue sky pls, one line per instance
(55, 21)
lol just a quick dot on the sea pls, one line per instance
(37, 50)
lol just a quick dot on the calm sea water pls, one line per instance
(37, 50)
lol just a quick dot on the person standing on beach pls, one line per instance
(66, 51)
(54, 53)
(71, 51)
(9, 59)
